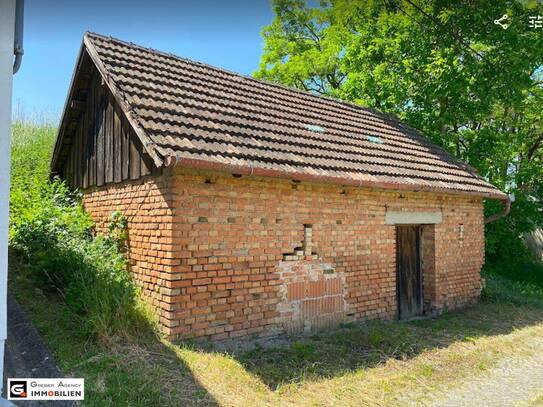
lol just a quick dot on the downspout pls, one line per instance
(506, 209)
(18, 49)
(171, 161)
(8, 66)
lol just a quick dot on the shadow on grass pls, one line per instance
(357, 346)
(141, 371)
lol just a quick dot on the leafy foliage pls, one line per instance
(52, 232)
(443, 67)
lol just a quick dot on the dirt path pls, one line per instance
(515, 381)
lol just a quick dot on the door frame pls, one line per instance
(418, 244)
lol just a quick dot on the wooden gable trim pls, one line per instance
(125, 107)
(97, 145)
(59, 142)
(84, 168)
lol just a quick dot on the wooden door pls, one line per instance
(409, 276)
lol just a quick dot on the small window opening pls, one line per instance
(375, 139)
(315, 128)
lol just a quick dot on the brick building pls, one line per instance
(257, 209)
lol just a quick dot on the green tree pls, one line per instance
(442, 66)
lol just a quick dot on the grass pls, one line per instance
(374, 363)
(123, 373)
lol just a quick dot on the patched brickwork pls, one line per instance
(312, 295)
(213, 256)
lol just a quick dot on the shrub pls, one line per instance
(499, 289)
(51, 231)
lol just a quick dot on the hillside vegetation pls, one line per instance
(52, 238)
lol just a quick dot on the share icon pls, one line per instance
(501, 22)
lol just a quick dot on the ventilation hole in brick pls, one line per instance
(209, 181)
(328, 271)
(339, 222)
(264, 221)
(295, 187)
(296, 181)
(298, 251)
(231, 219)
(308, 239)
(278, 220)
(202, 219)
(350, 314)
(401, 196)
(255, 296)
(236, 175)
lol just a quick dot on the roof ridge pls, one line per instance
(251, 78)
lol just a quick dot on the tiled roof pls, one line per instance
(198, 113)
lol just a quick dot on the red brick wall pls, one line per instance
(145, 204)
(234, 247)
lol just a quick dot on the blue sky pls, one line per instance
(222, 33)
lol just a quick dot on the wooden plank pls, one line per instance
(86, 153)
(144, 167)
(117, 150)
(81, 152)
(92, 133)
(81, 157)
(73, 169)
(125, 146)
(68, 170)
(68, 173)
(135, 159)
(73, 154)
(409, 278)
(77, 157)
(100, 142)
(109, 157)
